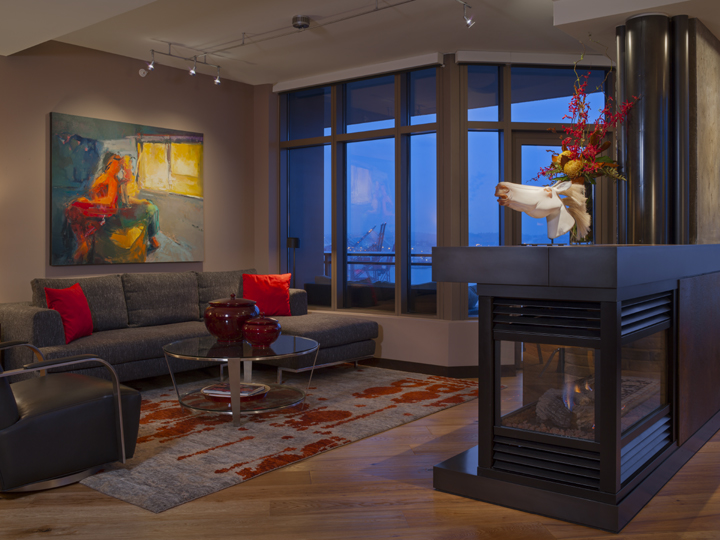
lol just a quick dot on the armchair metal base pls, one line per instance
(56, 482)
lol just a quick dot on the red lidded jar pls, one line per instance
(225, 318)
(262, 331)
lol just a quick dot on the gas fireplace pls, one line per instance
(594, 420)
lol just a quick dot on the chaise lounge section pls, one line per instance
(135, 315)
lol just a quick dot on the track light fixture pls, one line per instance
(468, 20)
(194, 59)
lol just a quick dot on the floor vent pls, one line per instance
(547, 462)
(644, 312)
(547, 317)
(643, 448)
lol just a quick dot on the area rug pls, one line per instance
(181, 455)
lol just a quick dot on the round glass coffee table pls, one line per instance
(258, 398)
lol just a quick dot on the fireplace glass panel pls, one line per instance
(644, 378)
(554, 393)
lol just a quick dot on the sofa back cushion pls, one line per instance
(218, 285)
(162, 298)
(104, 294)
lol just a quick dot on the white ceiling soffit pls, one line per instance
(594, 22)
(570, 11)
(26, 23)
(479, 57)
(433, 59)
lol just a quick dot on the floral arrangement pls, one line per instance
(580, 159)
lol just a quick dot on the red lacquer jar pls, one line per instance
(225, 318)
(262, 331)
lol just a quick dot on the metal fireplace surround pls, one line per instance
(601, 299)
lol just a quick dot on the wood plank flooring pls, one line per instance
(377, 488)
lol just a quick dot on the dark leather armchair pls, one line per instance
(58, 428)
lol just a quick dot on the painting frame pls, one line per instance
(123, 193)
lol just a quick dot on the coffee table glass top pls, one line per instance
(208, 348)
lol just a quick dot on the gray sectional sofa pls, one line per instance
(135, 315)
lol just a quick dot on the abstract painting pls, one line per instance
(124, 193)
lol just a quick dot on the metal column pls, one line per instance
(647, 130)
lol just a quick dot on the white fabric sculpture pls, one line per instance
(545, 202)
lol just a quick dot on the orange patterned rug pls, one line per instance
(182, 456)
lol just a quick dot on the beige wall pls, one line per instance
(705, 135)
(266, 178)
(423, 340)
(56, 77)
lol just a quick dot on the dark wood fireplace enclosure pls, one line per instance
(619, 382)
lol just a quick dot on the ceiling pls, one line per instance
(342, 34)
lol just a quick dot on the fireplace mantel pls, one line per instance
(587, 266)
(604, 303)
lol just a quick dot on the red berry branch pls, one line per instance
(581, 159)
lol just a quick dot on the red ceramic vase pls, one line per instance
(262, 331)
(225, 318)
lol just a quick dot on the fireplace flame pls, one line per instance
(568, 396)
(570, 390)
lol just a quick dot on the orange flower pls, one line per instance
(573, 168)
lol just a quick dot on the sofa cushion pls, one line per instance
(104, 294)
(329, 330)
(219, 285)
(128, 344)
(162, 298)
(74, 310)
(298, 302)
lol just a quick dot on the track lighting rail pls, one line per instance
(196, 59)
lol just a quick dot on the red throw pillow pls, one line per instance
(271, 293)
(74, 310)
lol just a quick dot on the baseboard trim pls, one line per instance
(455, 372)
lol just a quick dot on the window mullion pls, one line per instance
(402, 206)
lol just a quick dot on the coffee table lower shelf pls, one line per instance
(278, 397)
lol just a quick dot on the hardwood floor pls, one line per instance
(377, 488)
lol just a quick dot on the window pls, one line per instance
(309, 220)
(370, 224)
(308, 114)
(483, 93)
(385, 148)
(370, 104)
(543, 94)
(422, 296)
(361, 191)
(422, 98)
(483, 176)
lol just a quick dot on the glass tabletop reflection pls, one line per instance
(208, 348)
